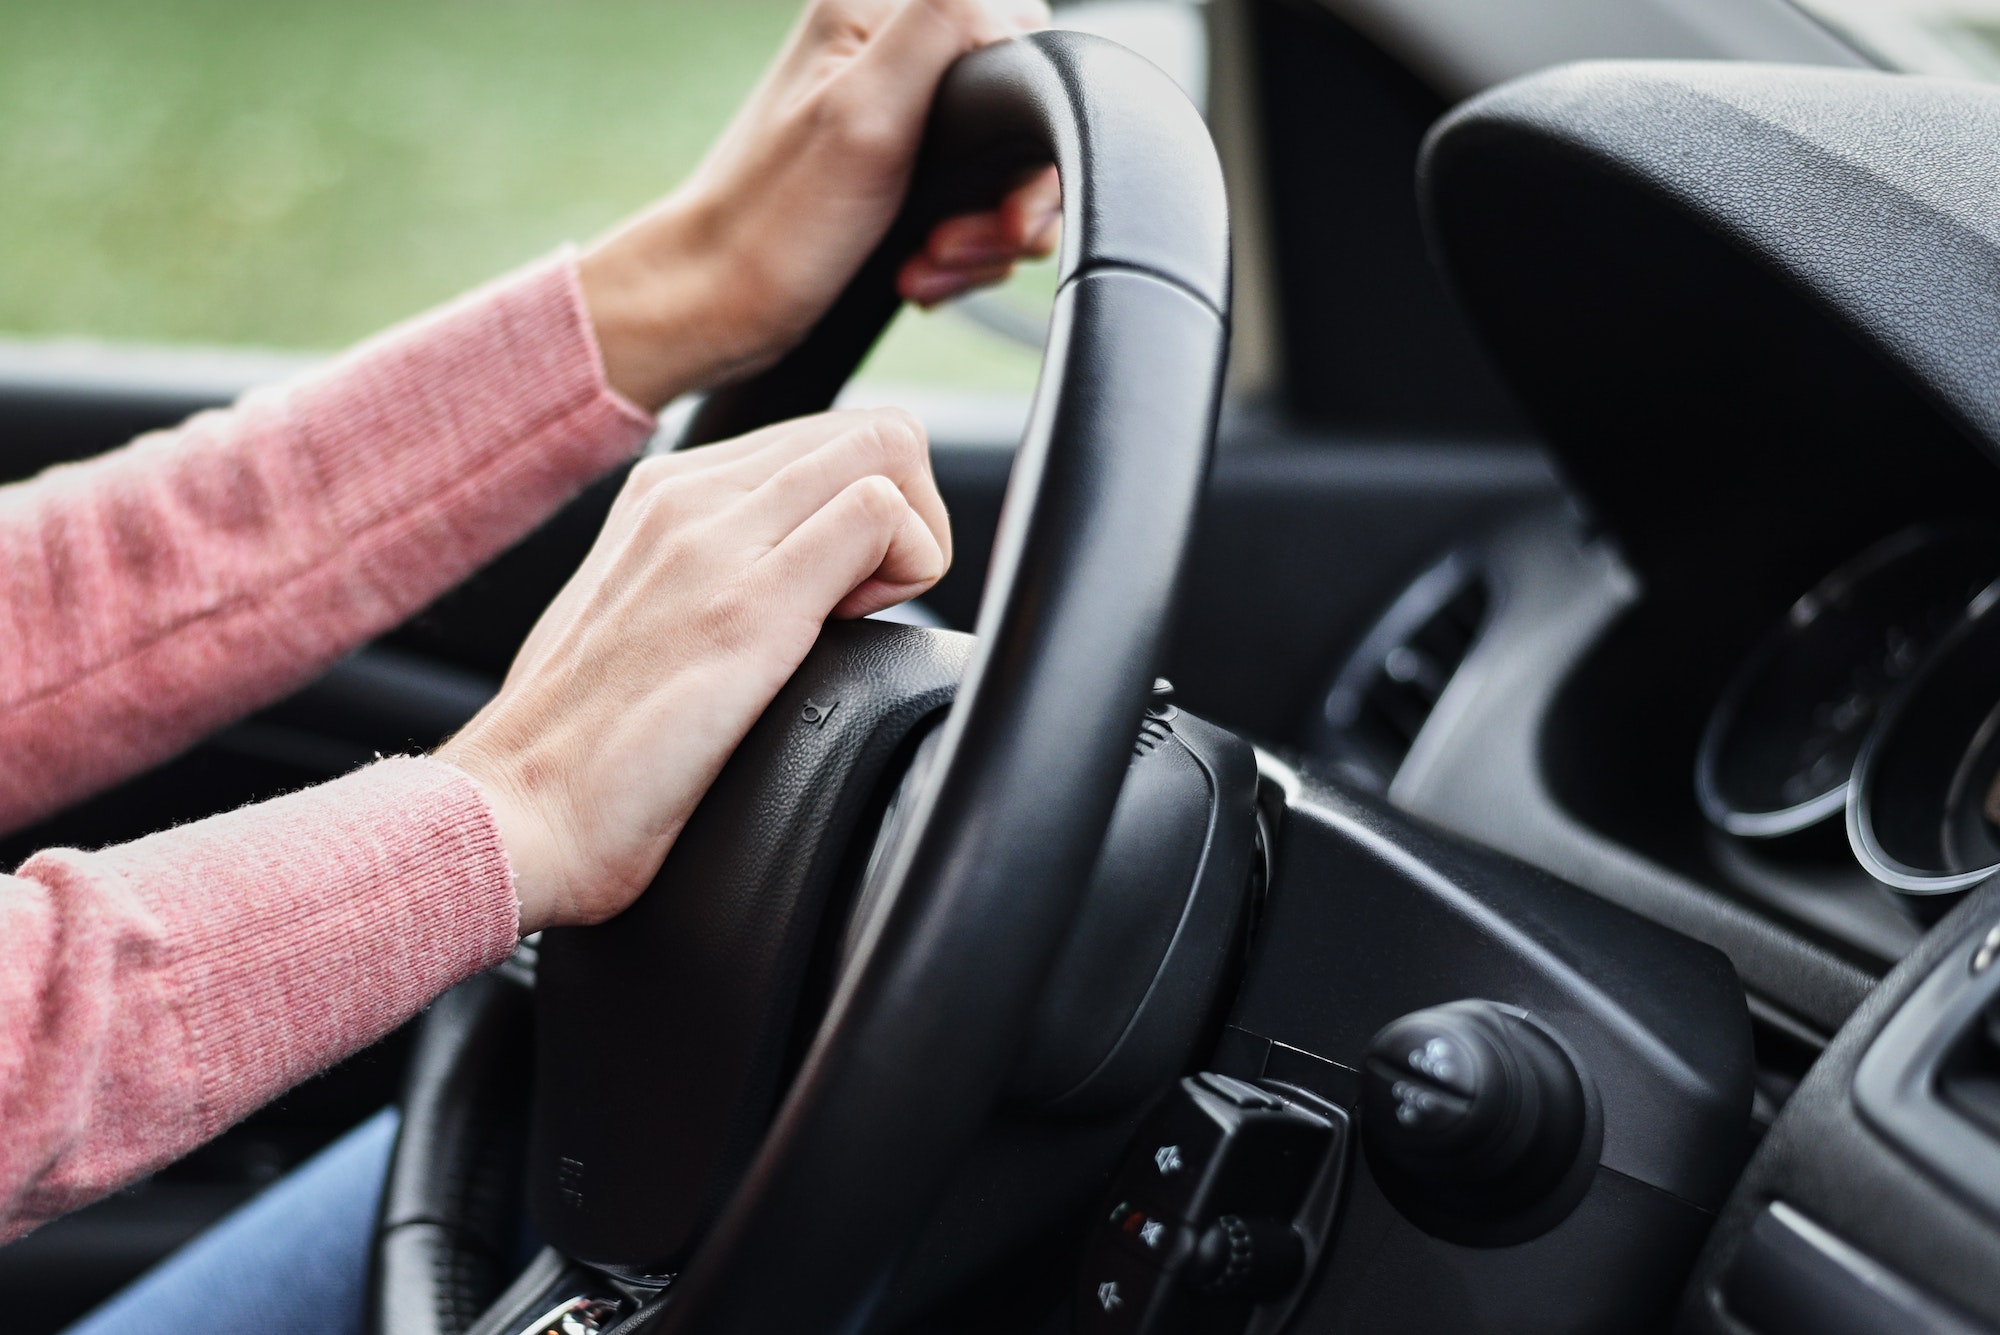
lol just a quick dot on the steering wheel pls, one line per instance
(742, 1110)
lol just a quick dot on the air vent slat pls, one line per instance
(1386, 691)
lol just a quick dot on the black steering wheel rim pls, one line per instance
(924, 1023)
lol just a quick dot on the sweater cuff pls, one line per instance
(304, 928)
(510, 370)
(565, 263)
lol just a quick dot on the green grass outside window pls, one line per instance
(298, 175)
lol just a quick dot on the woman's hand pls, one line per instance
(733, 269)
(703, 594)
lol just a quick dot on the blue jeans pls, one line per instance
(294, 1261)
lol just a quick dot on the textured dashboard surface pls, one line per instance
(1873, 193)
(1753, 307)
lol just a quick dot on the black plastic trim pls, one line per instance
(1479, 768)
(1897, 1084)
(1792, 1277)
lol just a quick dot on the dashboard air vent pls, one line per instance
(1385, 692)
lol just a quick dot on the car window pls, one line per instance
(295, 176)
(1953, 37)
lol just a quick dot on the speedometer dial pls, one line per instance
(1924, 816)
(1780, 748)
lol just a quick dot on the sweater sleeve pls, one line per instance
(153, 993)
(155, 593)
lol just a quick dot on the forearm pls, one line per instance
(153, 993)
(157, 592)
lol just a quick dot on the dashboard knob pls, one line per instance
(1472, 1115)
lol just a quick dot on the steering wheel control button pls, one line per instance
(1116, 1291)
(1209, 1207)
(1168, 1167)
(1143, 1234)
(1473, 1117)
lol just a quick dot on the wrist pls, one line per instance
(659, 293)
(524, 837)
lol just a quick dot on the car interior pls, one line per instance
(1453, 786)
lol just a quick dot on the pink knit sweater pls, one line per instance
(153, 993)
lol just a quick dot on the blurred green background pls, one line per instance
(252, 172)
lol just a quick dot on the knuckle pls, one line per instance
(650, 472)
(829, 17)
(887, 440)
(639, 483)
(971, 20)
(879, 500)
(854, 117)
(658, 511)
(665, 514)
(901, 435)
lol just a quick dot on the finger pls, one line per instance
(864, 440)
(830, 27)
(707, 478)
(749, 459)
(919, 40)
(843, 545)
(889, 444)
(1033, 213)
(1042, 242)
(825, 16)
(923, 284)
(911, 565)
(1025, 223)
(974, 239)
(875, 593)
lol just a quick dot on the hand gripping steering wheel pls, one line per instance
(744, 1103)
